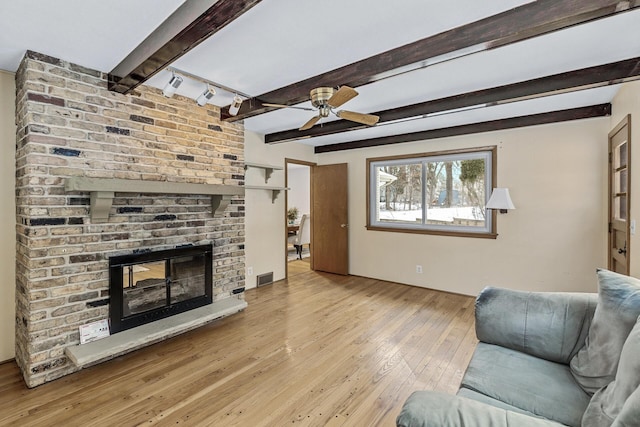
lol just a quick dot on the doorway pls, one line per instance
(298, 217)
(619, 196)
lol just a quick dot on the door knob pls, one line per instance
(623, 250)
(344, 225)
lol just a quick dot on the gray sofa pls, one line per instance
(546, 359)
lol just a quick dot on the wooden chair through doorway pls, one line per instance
(302, 237)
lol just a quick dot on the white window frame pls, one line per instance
(373, 165)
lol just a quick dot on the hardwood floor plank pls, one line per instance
(299, 266)
(314, 370)
(314, 350)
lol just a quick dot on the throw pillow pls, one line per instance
(594, 366)
(630, 414)
(606, 404)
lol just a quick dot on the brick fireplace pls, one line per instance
(70, 126)
(149, 286)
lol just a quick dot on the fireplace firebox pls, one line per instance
(145, 287)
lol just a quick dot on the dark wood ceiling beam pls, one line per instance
(493, 125)
(191, 24)
(601, 75)
(526, 21)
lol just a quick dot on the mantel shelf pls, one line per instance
(103, 191)
(268, 169)
(275, 191)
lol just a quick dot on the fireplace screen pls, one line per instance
(153, 285)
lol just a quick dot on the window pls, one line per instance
(433, 193)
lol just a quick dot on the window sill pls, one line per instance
(433, 232)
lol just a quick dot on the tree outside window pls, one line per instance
(438, 193)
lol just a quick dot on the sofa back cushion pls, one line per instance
(618, 308)
(607, 403)
(550, 325)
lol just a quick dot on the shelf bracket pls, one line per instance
(274, 195)
(219, 203)
(101, 202)
(267, 174)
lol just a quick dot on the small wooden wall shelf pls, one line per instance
(103, 191)
(275, 191)
(268, 169)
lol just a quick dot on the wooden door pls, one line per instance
(330, 224)
(619, 196)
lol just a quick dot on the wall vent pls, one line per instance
(264, 279)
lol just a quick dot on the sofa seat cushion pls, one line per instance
(544, 388)
(479, 397)
(431, 408)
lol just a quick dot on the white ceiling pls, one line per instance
(91, 33)
(279, 42)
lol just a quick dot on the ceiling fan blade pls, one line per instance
(344, 94)
(365, 119)
(312, 121)
(266, 104)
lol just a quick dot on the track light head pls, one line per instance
(235, 105)
(206, 96)
(171, 86)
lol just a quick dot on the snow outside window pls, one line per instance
(439, 193)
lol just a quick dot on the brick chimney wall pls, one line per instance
(69, 124)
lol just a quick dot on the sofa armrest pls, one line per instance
(550, 325)
(434, 409)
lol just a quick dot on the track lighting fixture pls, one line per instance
(235, 105)
(171, 86)
(206, 96)
(202, 100)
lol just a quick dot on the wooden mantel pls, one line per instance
(103, 191)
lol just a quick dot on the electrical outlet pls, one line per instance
(419, 269)
(249, 271)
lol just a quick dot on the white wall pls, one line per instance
(265, 233)
(299, 182)
(554, 240)
(627, 101)
(7, 215)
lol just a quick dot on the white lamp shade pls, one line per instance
(500, 199)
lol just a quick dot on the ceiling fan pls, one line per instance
(325, 99)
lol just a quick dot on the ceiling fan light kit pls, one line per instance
(320, 97)
(324, 99)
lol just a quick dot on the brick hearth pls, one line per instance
(70, 125)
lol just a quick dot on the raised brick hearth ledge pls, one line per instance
(85, 355)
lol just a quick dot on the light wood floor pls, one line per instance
(315, 350)
(299, 266)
